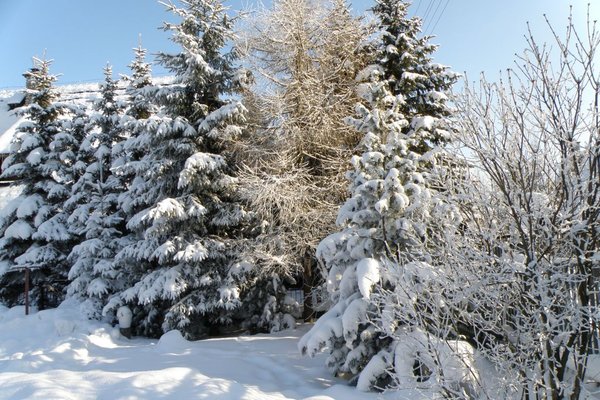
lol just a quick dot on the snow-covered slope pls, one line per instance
(58, 354)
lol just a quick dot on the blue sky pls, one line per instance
(81, 36)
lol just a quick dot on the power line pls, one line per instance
(439, 3)
(418, 7)
(440, 16)
(427, 11)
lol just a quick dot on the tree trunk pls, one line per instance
(308, 312)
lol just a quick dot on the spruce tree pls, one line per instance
(387, 224)
(128, 151)
(138, 105)
(34, 226)
(183, 263)
(97, 219)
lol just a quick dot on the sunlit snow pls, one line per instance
(59, 354)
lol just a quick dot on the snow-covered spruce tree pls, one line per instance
(126, 154)
(183, 264)
(34, 226)
(126, 151)
(96, 218)
(305, 54)
(391, 222)
(139, 102)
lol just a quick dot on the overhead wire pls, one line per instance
(418, 7)
(439, 3)
(427, 11)
(439, 16)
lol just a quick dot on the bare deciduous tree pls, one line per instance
(535, 136)
(304, 55)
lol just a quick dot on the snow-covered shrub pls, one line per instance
(266, 306)
(420, 311)
(424, 361)
(535, 137)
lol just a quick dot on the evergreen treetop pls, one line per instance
(405, 56)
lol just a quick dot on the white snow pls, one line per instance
(59, 354)
(353, 316)
(379, 362)
(367, 274)
(454, 357)
(8, 132)
(9, 120)
(29, 205)
(192, 252)
(18, 230)
(124, 315)
(425, 122)
(35, 156)
(8, 194)
(199, 162)
(167, 207)
(412, 76)
(438, 96)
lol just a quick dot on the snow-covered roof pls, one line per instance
(9, 119)
(11, 100)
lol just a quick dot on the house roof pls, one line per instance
(80, 93)
(9, 120)
(12, 100)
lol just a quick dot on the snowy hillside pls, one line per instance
(58, 354)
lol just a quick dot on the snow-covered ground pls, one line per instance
(58, 354)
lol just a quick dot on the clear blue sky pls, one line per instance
(81, 36)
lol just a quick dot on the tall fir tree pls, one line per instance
(34, 226)
(139, 104)
(127, 151)
(125, 160)
(183, 263)
(97, 219)
(395, 205)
